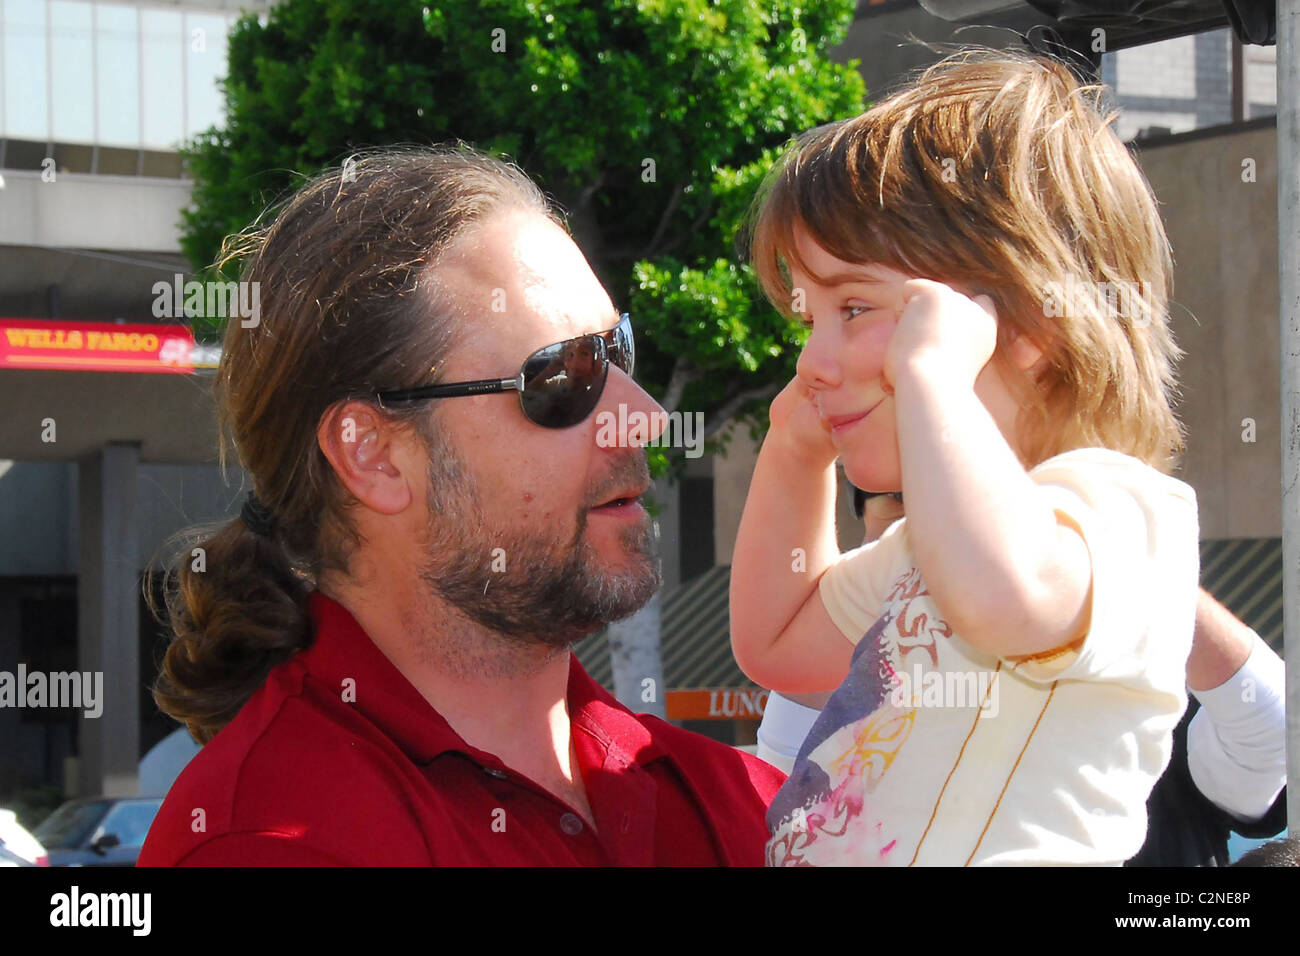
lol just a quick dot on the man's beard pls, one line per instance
(524, 583)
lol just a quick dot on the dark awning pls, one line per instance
(1245, 575)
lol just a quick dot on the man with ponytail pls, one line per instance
(376, 655)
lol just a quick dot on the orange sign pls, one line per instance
(95, 346)
(716, 704)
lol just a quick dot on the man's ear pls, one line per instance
(361, 446)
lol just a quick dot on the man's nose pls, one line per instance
(818, 365)
(629, 403)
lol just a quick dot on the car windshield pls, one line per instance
(129, 821)
(68, 826)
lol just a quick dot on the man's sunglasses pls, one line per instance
(558, 386)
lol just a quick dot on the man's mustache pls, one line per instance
(630, 471)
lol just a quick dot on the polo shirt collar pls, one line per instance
(341, 649)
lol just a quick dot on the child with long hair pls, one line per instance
(986, 279)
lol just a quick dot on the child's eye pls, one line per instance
(853, 311)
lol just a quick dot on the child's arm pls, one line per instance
(1012, 579)
(780, 632)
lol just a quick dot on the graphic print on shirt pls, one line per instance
(855, 740)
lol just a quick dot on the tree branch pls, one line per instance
(683, 234)
(673, 202)
(683, 374)
(590, 190)
(727, 410)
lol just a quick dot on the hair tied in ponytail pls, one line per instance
(257, 517)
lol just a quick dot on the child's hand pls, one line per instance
(940, 327)
(796, 422)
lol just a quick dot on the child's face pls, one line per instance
(854, 311)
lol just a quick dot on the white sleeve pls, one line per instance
(1236, 743)
(782, 731)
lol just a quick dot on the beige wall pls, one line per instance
(1225, 316)
(1224, 235)
(730, 485)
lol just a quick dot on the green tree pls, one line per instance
(651, 122)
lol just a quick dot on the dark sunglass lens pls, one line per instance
(562, 383)
(625, 346)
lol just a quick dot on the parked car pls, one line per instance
(17, 846)
(98, 831)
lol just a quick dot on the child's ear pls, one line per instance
(1022, 352)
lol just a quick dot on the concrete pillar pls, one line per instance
(108, 625)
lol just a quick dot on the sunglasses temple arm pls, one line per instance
(486, 386)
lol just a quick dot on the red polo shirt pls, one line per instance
(303, 775)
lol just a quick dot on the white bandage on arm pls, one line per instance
(783, 729)
(1236, 743)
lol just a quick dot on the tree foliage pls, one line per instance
(650, 121)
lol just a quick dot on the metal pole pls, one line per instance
(1288, 223)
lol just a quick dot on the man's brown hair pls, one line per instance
(348, 306)
(997, 173)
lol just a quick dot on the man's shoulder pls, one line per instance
(731, 789)
(290, 770)
(728, 771)
(706, 763)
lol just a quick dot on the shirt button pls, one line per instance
(494, 772)
(571, 824)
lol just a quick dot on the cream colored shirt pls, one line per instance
(934, 753)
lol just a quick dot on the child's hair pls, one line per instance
(996, 172)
